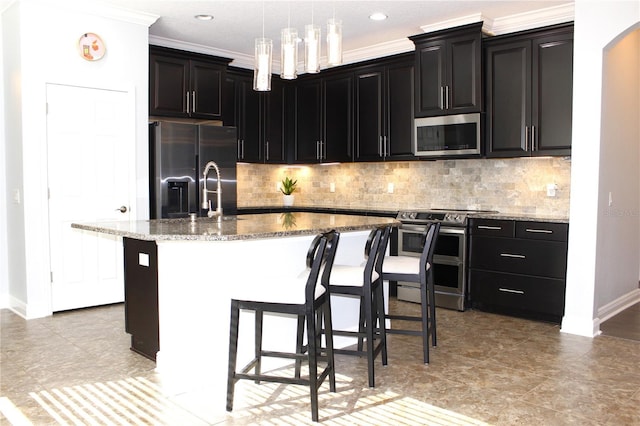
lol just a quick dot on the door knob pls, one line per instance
(122, 209)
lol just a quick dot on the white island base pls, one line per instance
(196, 281)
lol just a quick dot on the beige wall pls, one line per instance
(516, 185)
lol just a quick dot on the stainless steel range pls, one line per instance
(450, 255)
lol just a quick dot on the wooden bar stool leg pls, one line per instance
(233, 354)
(312, 352)
(258, 342)
(432, 306)
(424, 308)
(299, 345)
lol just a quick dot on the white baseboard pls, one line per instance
(620, 304)
(588, 327)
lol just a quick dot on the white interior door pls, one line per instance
(90, 140)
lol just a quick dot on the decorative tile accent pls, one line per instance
(515, 185)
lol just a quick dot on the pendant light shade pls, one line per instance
(262, 67)
(334, 42)
(312, 48)
(289, 54)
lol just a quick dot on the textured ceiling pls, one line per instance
(237, 23)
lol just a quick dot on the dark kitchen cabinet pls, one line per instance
(259, 118)
(518, 267)
(184, 84)
(448, 69)
(529, 93)
(384, 112)
(323, 119)
(141, 296)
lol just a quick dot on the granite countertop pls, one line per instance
(394, 213)
(243, 227)
(520, 217)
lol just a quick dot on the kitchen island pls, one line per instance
(193, 269)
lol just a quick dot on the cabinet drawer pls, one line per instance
(519, 256)
(491, 227)
(540, 295)
(542, 231)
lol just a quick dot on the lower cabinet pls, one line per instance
(141, 296)
(518, 267)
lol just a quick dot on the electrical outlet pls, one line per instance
(332, 187)
(551, 189)
(390, 188)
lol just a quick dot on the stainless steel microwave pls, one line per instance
(447, 135)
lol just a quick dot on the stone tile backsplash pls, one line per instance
(514, 185)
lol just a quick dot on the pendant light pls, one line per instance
(312, 46)
(289, 51)
(262, 65)
(334, 40)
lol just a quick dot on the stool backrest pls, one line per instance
(430, 239)
(376, 244)
(320, 257)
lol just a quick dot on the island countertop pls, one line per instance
(244, 227)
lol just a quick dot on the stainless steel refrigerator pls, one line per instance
(178, 153)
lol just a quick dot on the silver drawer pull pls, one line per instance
(517, 256)
(508, 290)
(540, 231)
(493, 228)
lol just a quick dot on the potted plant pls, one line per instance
(288, 187)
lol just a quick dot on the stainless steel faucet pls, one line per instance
(206, 203)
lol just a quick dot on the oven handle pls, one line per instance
(423, 229)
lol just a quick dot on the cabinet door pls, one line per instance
(463, 90)
(369, 115)
(399, 109)
(168, 83)
(249, 122)
(274, 123)
(552, 96)
(430, 78)
(338, 106)
(508, 92)
(206, 82)
(308, 119)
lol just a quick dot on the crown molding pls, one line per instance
(456, 22)
(238, 59)
(534, 19)
(512, 23)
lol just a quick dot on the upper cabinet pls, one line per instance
(448, 71)
(184, 84)
(258, 116)
(323, 118)
(384, 111)
(529, 92)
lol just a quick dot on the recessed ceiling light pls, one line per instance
(378, 16)
(204, 17)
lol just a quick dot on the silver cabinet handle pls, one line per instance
(446, 96)
(508, 290)
(380, 149)
(386, 147)
(534, 145)
(492, 228)
(539, 231)
(526, 138)
(441, 97)
(239, 153)
(186, 95)
(122, 209)
(266, 151)
(193, 99)
(515, 256)
(317, 150)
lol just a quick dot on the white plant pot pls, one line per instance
(287, 200)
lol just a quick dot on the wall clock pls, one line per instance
(91, 47)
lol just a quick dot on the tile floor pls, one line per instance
(76, 368)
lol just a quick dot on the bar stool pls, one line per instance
(307, 297)
(365, 281)
(417, 270)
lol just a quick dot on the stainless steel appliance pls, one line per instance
(178, 154)
(450, 255)
(449, 135)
